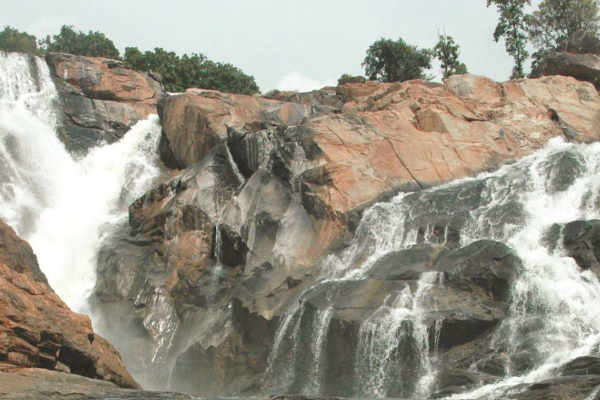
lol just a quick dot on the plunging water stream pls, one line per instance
(63, 206)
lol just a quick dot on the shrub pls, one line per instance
(389, 61)
(346, 78)
(93, 44)
(195, 70)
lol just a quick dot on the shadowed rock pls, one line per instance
(37, 330)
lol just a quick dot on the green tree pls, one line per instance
(195, 70)
(226, 78)
(93, 44)
(446, 50)
(512, 28)
(390, 61)
(555, 21)
(13, 40)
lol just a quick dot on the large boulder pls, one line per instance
(101, 99)
(37, 330)
(584, 42)
(581, 240)
(193, 122)
(584, 67)
(35, 384)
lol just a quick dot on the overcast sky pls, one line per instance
(284, 44)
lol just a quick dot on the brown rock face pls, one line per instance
(395, 135)
(195, 121)
(101, 98)
(37, 330)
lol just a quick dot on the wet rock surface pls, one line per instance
(218, 263)
(572, 388)
(588, 365)
(101, 99)
(581, 239)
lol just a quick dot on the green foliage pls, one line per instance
(347, 78)
(178, 73)
(390, 61)
(195, 70)
(556, 21)
(13, 40)
(446, 50)
(226, 78)
(513, 29)
(93, 44)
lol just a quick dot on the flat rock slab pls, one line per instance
(35, 384)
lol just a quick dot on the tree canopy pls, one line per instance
(390, 61)
(446, 50)
(556, 21)
(93, 44)
(513, 29)
(13, 40)
(178, 73)
(195, 70)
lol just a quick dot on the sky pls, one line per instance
(284, 44)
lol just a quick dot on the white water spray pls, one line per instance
(63, 206)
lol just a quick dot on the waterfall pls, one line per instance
(549, 314)
(61, 205)
(321, 323)
(65, 206)
(397, 324)
(281, 370)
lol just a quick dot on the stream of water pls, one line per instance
(61, 205)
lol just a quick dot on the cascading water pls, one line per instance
(397, 324)
(549, 316)
(61, 205)
(281, 370)
(322, 320)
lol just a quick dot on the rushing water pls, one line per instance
(397, 323)
(550, 316)
(61, 205)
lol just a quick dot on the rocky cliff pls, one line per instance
(38, 331)
(100, 98)
(328, 243)
(264, 191)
